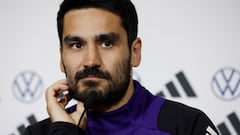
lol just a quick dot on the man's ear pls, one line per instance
(136, 52)
(62, 66)
(61, 61)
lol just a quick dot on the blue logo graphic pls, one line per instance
(27, 86)
(226, 83)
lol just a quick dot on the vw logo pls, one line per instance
(226, 83)
(27, 86)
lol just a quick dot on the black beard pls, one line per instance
(112, 93)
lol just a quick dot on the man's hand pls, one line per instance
(56, 109)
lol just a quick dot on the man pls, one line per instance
(99, 46)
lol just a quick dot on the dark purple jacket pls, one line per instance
(144, 114)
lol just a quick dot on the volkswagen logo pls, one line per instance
(27, 86)
(226, 83)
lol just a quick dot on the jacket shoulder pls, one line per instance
(181, 119)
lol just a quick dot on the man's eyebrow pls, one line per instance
(108, 36)
(101, 37)
(70, 38)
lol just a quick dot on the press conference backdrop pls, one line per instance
(191, 54)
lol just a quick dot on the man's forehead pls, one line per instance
(91, 17)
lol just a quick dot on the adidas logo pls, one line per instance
(210, 131)
(225, 127)
(174, 92)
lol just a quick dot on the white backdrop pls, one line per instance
(200, 39)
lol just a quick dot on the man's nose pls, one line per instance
(92, 57)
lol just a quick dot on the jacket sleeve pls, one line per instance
(179, 119)
(63, 128)
(46, 127)
(39, 128)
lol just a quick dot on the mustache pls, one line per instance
(92, 71)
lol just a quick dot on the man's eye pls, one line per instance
(107, 44)
(76, 45)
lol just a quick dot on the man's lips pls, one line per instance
(91, 77)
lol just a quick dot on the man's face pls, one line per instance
(95, 55)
